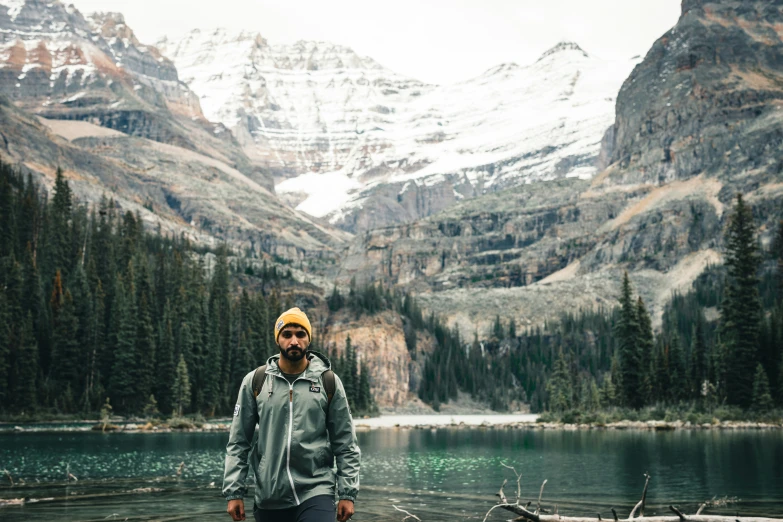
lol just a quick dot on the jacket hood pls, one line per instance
(319, 363)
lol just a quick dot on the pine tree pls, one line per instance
(350, 372)
(335, 301)
(8, 226)
(498, 332)
(220, 317)
(762, 397)
(678, 375)
(365, 403)
(98, 366)
(144, 352)
(26, 370)
(589, 396)
(777, 253)
(60, 224)
(780, 382)
(151, 408)
(122, 387)
(165, 362)
(181, 388)
(646, 351)
(5, 350)
(698, 358)
(68, 361)
(627, 333)
(559, 386)
(741, 309)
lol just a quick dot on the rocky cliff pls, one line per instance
(699, 120)
(181, 190)
(379, 340)
(113, 114)
(58, 64)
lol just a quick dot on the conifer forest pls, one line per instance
(94, 309)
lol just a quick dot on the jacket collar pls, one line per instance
(319, 363)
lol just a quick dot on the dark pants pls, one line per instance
(317, 509)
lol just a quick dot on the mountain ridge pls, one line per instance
(395, 148)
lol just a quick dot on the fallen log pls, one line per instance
(524, 514)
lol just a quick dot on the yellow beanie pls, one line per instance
(293, 316)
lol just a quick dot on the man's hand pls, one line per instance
(236, 508)
(344, 510)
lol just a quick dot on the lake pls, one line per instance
(436, 474)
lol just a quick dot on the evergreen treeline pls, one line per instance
(735, 360)
(92, 307)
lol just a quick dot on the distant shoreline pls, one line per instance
(429, 422)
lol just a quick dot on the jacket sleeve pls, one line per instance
(344, 445)
(242, 428)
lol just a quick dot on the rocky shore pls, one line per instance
(428, 422)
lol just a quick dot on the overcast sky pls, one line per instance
(437, 41)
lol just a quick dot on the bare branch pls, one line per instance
(502, 495)
(540, 494)
(637, 506)
(615, 514)
(640, 504)
(644, 493)
(491, 510)
(701, 508)
(678, 513)
(409, 514)
(519, 479)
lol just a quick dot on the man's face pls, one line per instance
(293, 342)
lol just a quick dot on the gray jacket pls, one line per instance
(294, 456)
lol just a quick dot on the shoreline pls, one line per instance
(405, 422)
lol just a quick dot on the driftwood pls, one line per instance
(524, 514)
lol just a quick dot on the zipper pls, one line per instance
(290, 431)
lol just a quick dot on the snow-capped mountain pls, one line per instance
(51, 54)
(90, 99)
(364, 146)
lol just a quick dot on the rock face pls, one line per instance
(183, 191)
(698, 121)
(395, 149)
(114, 115)
(706, 99)
(395, 372)
(58, 64)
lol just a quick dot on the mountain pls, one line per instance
(698, 121)
(85, 95)
(390, 149)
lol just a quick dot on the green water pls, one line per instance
(445, 474)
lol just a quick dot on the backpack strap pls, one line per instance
(328, 378)
(258, 380)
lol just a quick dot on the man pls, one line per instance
(301, 431)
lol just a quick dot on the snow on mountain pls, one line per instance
(344, 136)
(53, 55)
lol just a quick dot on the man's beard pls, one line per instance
(294, 354)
